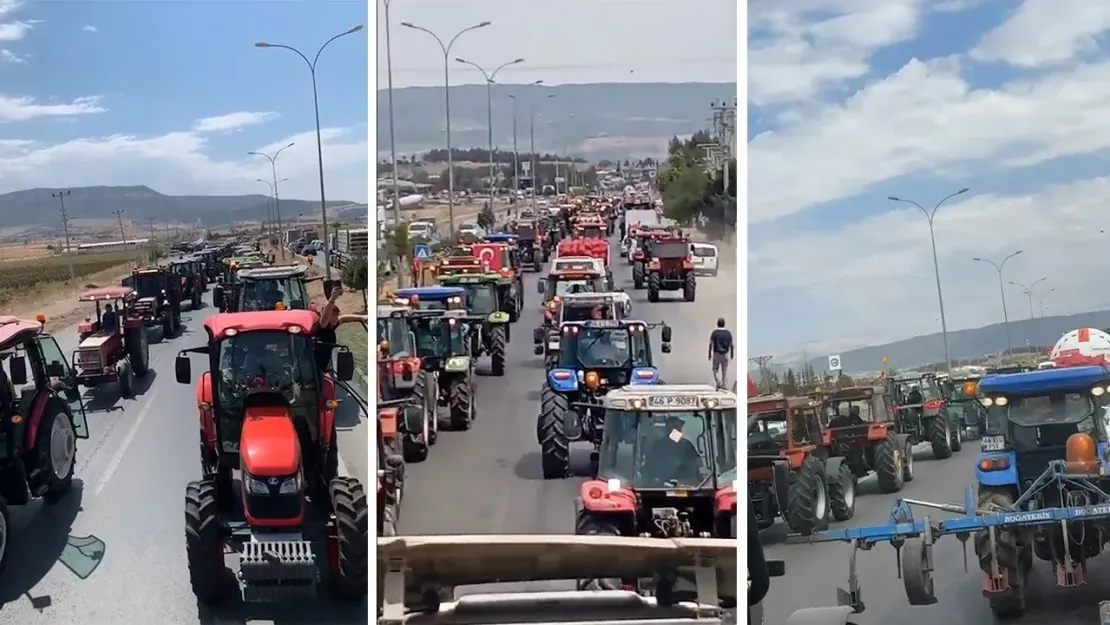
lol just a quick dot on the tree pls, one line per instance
(356, 275)
(486, 219)
(400, 249)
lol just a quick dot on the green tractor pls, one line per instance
(485, 307)
(443, 346)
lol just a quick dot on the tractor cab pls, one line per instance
(571, 276)
(615, 352)
(962, 392)
(485, 294)
(500, 251)
(190, 277)
(440, 298)
(670, 452)
(157, 297)
(270, 288)
(441, 339)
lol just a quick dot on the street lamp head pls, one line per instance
(515, 61)
(483, 24)
(977, 259)
(1017, 252)
(291, 144)
(261, 44)
(408, 24)
(962, 191)
(462, 60)
(254, 154)
(894, 199)
(354, 29)
(538, 82)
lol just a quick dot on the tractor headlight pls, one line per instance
(1098, 391)
(1001, 401)
(257, 487)
(291, 485)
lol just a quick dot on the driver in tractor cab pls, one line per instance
(273, 295)
(599, 312)
(673, 457)
(846, 420)
(914, 396)
(109, 321)
(248, 362)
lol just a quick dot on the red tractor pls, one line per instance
(267, 405)
(671, 268)
(41, 419)
(667, 467)
(115, 354)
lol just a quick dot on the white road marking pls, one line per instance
(344, 471)
(113, 464)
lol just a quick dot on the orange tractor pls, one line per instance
(267, 402)
(671, 268)
(859, 427)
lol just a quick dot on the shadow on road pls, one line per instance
(41, 538)
(528, 466)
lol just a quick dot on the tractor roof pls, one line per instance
(106, 293)
(14, 330)
(256, 321)
(499, 237)
(469, 278)
(386, 310)
(282, 272)
(669, 397)
(1046, 380)
(430, 292)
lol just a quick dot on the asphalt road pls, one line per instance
(814, 571)
(488, 480)
(129, 493)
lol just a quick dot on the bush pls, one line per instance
(356, 275)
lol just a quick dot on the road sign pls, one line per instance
(886, 359)
(834, 362)
(422, 251)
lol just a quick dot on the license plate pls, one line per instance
(993, 443)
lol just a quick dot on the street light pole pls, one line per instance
(446, 48)
(268, 225)
(516, 153)
(1040, 300)
(319, 140)
(1002, 292)
(489, 76)
(1028, 290)
(532, 144)
(393, 137)
(930, 216)
(273, 196)
(277, 198)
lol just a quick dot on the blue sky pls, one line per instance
(852, 101)
(174, 94)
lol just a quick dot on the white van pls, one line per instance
(705, 258)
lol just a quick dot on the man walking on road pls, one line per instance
(721, 351)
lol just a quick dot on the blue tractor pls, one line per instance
(595, 357)
(1042, 492)
(433, 297)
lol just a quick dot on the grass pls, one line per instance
(27, 274)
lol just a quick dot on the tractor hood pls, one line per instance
(268, 444)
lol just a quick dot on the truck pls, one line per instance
(348, 244)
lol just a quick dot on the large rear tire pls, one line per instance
(807, 508)
(890, 465)
(5, 533)
(460, 402)
(204, 549)
(940, 437)
(842, 494)
(588, 524)
(1012, 557)
(552, 435)
(497, 350)
(654, 284)
(352, 524)
(56, 450)
(689, 287)
(138, 350)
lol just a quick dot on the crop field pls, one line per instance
(27, 274)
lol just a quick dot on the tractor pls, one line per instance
(924, 416)
(576, 307)
(594, 358)
(485, 313)
(567, 277)
(529, 246)
(443, 346)
(435, 298)
(789, 472)
(640, 253)
(41, 420)
(390, 467)
(671, 268)
(968, 413)
(118, 354)
(402, 376)
(268, 412)
(267, 288)
(858, 427)
(191, 281)
(157, 298)
(667, 468)
(500, 251)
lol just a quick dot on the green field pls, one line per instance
(25, 274)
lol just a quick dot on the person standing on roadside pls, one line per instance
(722, 349)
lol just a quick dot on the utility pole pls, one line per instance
(724, 131)
(61, 195)
(762, 364)
(119, 219)
(516, 153)
(153, 237)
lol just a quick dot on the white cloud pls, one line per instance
(180, 163)
(233, 121)
(24, 108)
(921, 119)
(1045, 32)
(89, 28)
(800, 56)
(7, 56)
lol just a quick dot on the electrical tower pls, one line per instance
(61, 195)
(763, 365)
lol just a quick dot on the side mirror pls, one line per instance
(666, 334)
(537, 350)
(666, 347)
(182, 369)
(538, 335)
(345, 365)
(18, 370)
(541, 286)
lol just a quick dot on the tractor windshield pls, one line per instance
(147, 284)
(481, 298)
(725, 445)
(181, 269)
(394, 330)
(658, 450)
(439, 337)
(1058, 409)
(265, 294)
(671, 249)
(588, 347)
(594, 232)
(265, 360)
(561, 287)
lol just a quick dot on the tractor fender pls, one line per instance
(833, 615)
(832, 467)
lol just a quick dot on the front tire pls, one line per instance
(497, 351)
(552, 435)
(890, 465)
(352, 524)
(588, 524)
(460, 403)
(56, 448)
(842, 494)
(204, 549)
(940, 436)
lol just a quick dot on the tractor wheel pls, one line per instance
(689, 287)
(513, 309)
(638, 275)
(890, 460)
(5, 533)
(907, 463)
(138, 351)
(126, 380)
(654, 283)
(552, 435)
(1012, 558)
(940, 437)
(807, 506)
(204, 547)
(56, 450)
(842, 494)
(420, 395)
(587, 523)
(497, 350)
(460, 403)
(957, 435)
(352, 523)
(167, 324)
(414, 441)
